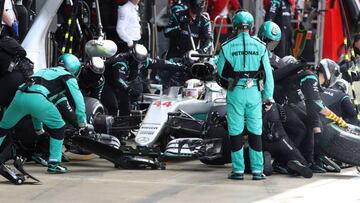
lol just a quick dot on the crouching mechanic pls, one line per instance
(296, 85)
(336, 99)
(242, 61)
(275, 138)
(35, 97)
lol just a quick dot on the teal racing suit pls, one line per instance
(242, 60)
(35, 98)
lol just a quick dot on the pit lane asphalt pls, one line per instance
(97, 180)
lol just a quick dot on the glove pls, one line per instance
(337, 119)
(40, 132)
(85, 128)
(135, 88)
(268, 104)
(133, 93)
(15, 28)
(131, 44)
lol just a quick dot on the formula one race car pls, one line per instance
(180, 122)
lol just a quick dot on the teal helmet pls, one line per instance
(243, 20)
(71, 63)
(270, 33)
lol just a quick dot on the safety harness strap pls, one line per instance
(54, 86)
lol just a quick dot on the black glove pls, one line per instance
(133, 93)
(135, 88)
(184, 22)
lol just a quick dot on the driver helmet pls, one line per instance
(331, 71)
(196, 6)
(243, 20)
(71, 63)
(139, 53)
(270, 33)
(341, 85)
(194, 88)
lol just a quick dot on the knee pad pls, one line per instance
(236, 142)
(255, 142)
(57, 133)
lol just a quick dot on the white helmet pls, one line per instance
(193, 88)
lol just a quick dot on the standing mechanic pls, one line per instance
(280, 13)
(35, 98)
(10, 77)
(128, 25)
(10, 25)
(241, 63)
(178, 30)
(122, 81)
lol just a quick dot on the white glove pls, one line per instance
(86, 126)
(40, 132)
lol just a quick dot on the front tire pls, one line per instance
(341, 144)
(218, 131)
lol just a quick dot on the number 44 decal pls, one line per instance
(165, 103)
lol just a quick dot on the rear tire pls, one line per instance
(340, 144)
(93, 108)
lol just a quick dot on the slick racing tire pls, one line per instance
(93, 108)
(218, 131)
(340, 143)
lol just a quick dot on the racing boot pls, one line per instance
(55, 157)
(328, 164)
(37, 158)
(236, 176)
(316, 168)
(56, 168)
(299, 168)
(258, 176)
(279, 167)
